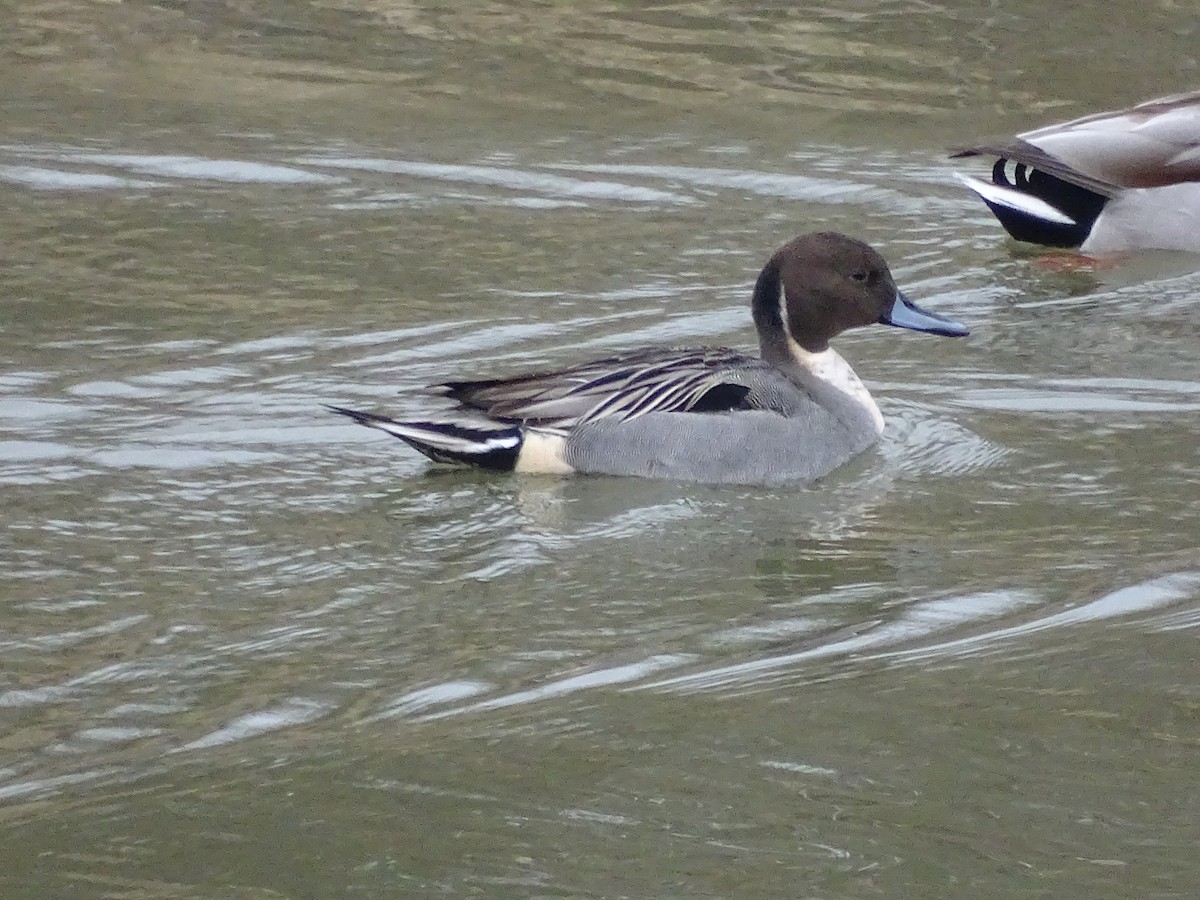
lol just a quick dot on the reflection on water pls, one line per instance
(253, 650)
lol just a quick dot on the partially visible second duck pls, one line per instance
(702, 414)
(1113, 181)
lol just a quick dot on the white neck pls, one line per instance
(831, 368)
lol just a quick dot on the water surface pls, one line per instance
(254, 650)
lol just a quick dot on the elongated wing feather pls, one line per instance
(1037, 158)
(1153, 144)
(620, 387)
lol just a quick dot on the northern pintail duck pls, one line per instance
(703, 414)
(1113, 181)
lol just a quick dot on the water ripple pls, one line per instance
(293, 711)
(41, 178)
(1083, 395)
(602, 677)
(878, 642)
(180, 167)
(507, 178)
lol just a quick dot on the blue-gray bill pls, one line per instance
(906, 314)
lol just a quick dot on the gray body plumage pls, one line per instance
(750, 447)
(788, 430)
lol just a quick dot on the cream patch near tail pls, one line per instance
(543, 453)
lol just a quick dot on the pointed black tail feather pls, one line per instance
(449, 442)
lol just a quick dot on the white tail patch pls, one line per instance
(543, 453)
(1016, 200)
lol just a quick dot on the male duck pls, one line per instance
(707, 414)
(1113, 181)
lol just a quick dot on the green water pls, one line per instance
(251, 650)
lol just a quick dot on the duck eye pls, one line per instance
(859, 275)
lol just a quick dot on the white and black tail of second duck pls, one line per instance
(1112, 181)
(495, 449)
(1037, 207)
